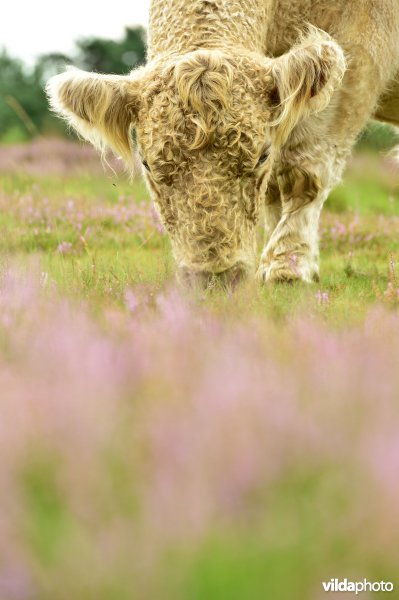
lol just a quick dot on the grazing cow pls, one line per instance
(244, 106)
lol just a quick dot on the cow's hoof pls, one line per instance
(287, 272)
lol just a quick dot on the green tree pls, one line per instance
(24, 109)
(109, 56)
(22, 100)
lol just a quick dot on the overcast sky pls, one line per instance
(34, 27)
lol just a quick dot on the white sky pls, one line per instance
(32, 27)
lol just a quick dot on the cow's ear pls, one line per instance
(101, 108)
(303, 81)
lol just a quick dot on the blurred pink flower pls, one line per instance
(64, 248)
(134, 437)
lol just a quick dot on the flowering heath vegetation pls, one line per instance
(159, 446)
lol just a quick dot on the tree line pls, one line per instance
(24, 111)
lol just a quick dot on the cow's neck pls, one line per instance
(179, 26)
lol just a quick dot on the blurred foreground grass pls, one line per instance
(157, 447)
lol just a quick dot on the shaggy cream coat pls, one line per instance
(244, 105)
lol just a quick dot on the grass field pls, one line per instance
(154, 445)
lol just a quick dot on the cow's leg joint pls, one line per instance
(292, 251)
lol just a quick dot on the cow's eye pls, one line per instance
(146, 165)
(263, 158)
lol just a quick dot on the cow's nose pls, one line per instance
(229, 279)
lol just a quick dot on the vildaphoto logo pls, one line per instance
(344, 585)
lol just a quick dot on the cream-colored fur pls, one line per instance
(243, 105)
(388, 106)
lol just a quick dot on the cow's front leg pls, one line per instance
(273, 207)
(292, 251)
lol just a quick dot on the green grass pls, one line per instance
(107, 187)
(359, 234)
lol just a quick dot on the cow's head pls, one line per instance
(208, 125)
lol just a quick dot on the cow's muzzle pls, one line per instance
(228, 280)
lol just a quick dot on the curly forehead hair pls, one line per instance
(204, 84)
(199, 97)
